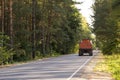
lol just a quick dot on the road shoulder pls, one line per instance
(88, 72)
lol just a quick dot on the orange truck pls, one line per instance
(85, 46)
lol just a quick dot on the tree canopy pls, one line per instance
(107, 25)
(36, 28)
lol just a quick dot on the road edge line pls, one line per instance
(79, 68)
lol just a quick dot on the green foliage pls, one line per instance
(20, 55)
(58, 28)
(5, 55)
(4, 39)
(107, 30)
(110, 64)
(106, 25)
(113, 63)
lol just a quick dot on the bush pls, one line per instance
(20, 55)
(5, 55)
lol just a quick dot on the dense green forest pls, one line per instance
(107, 30)
(107, 25)
(31, 29)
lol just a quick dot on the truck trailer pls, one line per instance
(85, 46)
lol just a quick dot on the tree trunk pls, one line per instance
(2, 15)
(33, 27)
(43, 31)
(11, 23)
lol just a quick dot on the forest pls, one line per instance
(107, 25)
(107, 31)
(33, 29)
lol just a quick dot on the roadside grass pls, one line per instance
(110, 64)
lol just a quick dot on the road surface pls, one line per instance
(59, 68)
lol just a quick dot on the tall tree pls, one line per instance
(11, 22)
(33, 27)
(42, 27)
(2, 18)
(106, 25)
(2, 14)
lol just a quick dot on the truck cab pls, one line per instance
(85, 46)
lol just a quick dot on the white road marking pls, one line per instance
(79, 68)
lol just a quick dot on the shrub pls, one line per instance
(5, 55)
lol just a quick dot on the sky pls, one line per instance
(86, 9)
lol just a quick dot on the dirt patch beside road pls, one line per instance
(88, 73)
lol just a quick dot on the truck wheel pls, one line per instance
(80, 53)
(91, 54)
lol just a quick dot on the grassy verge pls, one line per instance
(110, 64)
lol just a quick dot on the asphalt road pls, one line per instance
(59, 68)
